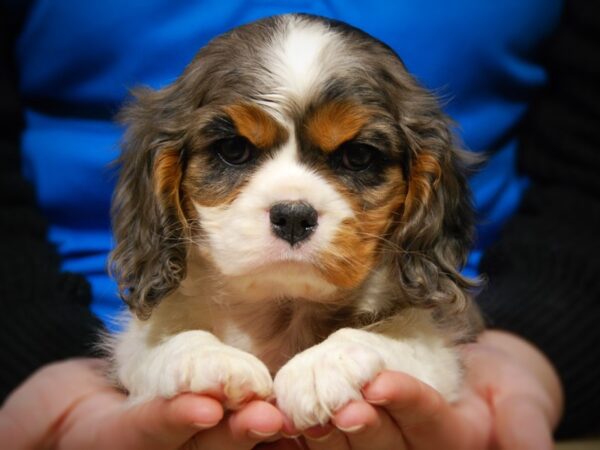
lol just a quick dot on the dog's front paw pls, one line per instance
(194, 362)
(314, 384)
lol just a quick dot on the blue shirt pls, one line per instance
(78, 60)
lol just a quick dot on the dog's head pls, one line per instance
(297, 156)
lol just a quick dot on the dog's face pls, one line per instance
(297, 156)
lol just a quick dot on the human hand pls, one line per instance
(69, 405)
(511, 401)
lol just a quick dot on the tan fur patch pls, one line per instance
(350, 260)
(335, 123)
(354, 250)
(256, 125)
(167, 180)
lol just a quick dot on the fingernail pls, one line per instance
(290, 436)
(378, 401)
(320, 438)
(354, 429)
(204, 426)
(255, 434)
(319, 433)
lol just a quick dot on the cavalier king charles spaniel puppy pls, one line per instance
(290, 220)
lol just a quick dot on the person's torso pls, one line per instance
(78, 60)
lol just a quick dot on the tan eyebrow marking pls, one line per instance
(334, 123)
(256, 125)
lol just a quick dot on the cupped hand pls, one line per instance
(69, 405)
(511, 400)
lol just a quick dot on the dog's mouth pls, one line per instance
(282, 279)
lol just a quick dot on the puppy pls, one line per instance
(290, 220)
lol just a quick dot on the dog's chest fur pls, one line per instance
(274, 330)
(275, 333)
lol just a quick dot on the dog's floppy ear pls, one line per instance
(436, 227)
(149, 260)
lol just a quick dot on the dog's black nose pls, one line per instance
(293, 221)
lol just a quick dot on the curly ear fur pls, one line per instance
(436, 228)
(149, 224)
(149, 260)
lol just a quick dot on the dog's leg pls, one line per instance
(190, 361)
(314, 384)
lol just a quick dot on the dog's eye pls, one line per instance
(235, 151)
(357, 157)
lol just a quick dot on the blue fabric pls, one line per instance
(78, 60)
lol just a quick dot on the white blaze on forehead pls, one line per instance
(301, 57)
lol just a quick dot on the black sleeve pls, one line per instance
(544, 273)
(44, 314)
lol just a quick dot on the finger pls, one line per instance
(367, 427)
(157, 424)
(325, 437)
(424, 417)
(520, 425)
(288, 429)
(257, 421)
(177, 421)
